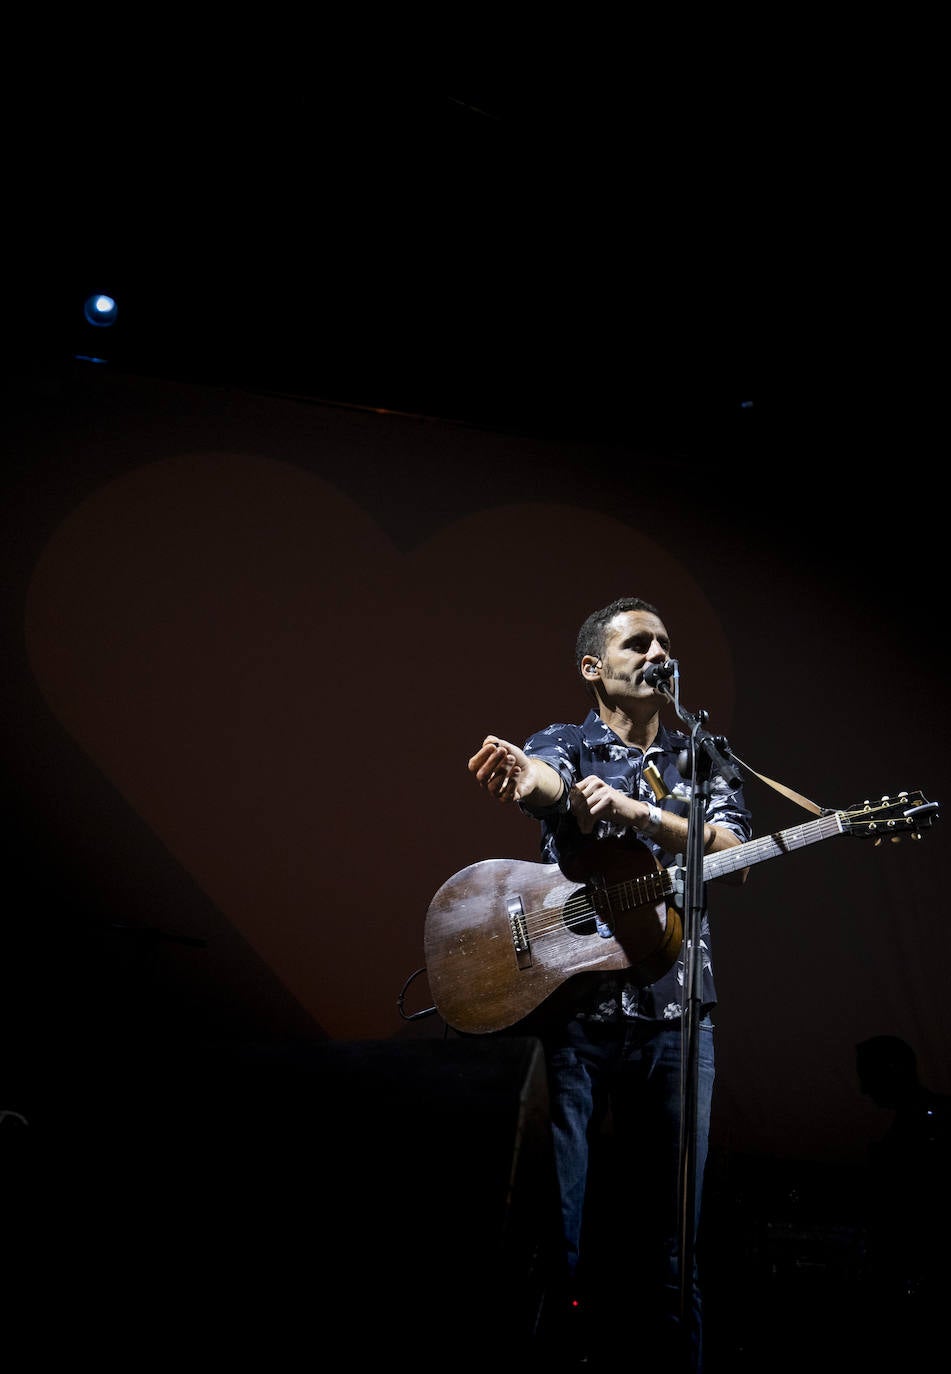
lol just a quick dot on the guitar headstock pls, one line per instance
(892, 818)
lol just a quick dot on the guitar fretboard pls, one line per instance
(652, 888)
(771, 846)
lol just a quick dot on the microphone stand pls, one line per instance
(707, 755)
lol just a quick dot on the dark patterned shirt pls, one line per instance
(578, 751)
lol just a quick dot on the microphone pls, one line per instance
(656, 673)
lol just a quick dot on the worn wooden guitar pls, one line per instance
(504, 935)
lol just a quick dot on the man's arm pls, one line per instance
(509, 775)
(593, 798)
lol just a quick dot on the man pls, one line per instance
(614, 1059)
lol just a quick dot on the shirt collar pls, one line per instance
(595, 733)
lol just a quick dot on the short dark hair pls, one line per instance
(592, 636)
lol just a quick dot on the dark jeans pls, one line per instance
(616, 1100)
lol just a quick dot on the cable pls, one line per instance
(416, 1015)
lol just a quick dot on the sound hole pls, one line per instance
(581, 917)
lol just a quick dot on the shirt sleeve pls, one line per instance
(558, 747)
(726, 808)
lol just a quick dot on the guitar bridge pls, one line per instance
(516, 914)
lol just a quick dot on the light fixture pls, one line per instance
(100, 310)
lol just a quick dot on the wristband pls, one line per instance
(654, 815)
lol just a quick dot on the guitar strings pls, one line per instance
(550, 921)
(649, 889)
(580, 909)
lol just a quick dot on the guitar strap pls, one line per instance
(778, 787)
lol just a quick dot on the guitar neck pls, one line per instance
(771, 846)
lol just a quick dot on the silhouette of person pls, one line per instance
(908, 1212)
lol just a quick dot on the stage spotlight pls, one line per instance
(101, 311)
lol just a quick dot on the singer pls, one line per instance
(614, 1057)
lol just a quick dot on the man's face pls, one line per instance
(634, 639)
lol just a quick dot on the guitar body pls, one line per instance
(504, 937)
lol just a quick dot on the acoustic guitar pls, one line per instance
(503, 936)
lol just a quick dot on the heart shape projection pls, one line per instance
(289, 700)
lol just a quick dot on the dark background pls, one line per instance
(519, 328)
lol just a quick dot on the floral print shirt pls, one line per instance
(576, 752)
